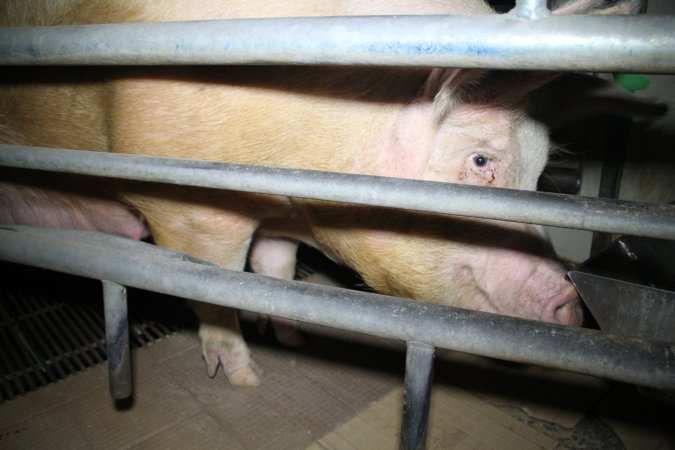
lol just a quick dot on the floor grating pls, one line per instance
(51, 326)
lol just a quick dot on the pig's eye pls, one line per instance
(480, 161)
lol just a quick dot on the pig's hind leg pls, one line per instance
(218, 230)
(276, 257)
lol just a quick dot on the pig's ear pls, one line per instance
(509, 89)
(447, 87)
(575, 97)
(598, 6)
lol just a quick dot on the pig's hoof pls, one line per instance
(288, 333)
(236, 363)
(291, 338)
(246, 377)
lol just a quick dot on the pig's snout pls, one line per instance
(565, 308)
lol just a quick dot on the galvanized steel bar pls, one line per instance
(589, 43)
(419, 371)
(612, 216)
(145, 266)
(530, 9)
(117, 339)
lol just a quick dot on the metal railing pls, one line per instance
(137, 264)
(632, 44)
(570, 211)
(589, 43)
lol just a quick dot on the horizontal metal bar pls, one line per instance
(590, 43)
(612, 216)
(137, 264)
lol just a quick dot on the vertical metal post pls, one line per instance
(419, 369)
(530, 9)
(117, 339)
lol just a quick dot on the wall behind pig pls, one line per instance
(649, 167)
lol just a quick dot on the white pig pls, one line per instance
(451, 125)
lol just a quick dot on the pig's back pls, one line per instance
(59, 12)
(234, 114)
(235, 9)
(50, 106)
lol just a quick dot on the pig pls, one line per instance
(443, 124)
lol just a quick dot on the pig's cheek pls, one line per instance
(527, 287)
(470, 176)
(473, 296)
(484, 282)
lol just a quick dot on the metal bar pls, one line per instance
(117, 339)
(12, 359)
(33, 362)
(137, 264)
(73, 340)
(588, 43)
(61, 354)
(617, 134)
(91, 341)
(530, 9)
(12, 379)
(419, 371)
(612, 216)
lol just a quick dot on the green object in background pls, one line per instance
(631, 82)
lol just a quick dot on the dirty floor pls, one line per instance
(340, 392)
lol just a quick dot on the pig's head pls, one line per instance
(461, 130)
(470, 127)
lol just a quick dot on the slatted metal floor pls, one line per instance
(51, 326)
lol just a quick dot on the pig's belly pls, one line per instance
(24, 204)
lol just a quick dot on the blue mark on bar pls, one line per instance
(33, 52)
(432, 49)
(482, 50)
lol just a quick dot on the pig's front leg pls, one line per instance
(276, 257)
(219, 234)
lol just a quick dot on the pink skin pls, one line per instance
(490, 266)
(46, 207)
(533, 286)
(514, 272)
(275, 257)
